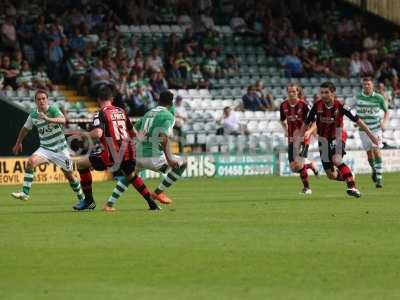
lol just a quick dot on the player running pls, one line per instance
(53, 146)
(116, 152)
(368, 106)
(293, 112)
(328, 114)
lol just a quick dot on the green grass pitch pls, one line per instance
(230, 238)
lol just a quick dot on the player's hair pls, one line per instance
(367, 78)
(293, 85)
(41, 92)
(166, 98)
(328, 85)
(104, 93)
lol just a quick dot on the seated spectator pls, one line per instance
(252, 102)
(366, 66)
(158, 84)
(209, 42)
(25, 77)
(41, 79)
(76, 41)
(211, 67)
(387, 94)
(370, 44)
(263, 94)
(175, 77)
(132, 48)
(99, 76)
(197, 78)
(238, 24)
(142, 101)
(231, 66)
(189, 43)
(18, 59)
(355, 65)
(154, 61)
(292, 64)
(173, 45)
(385, 73)
(10, 74)
(184, 20)
(184, 65)
(8, 34)
(231, 123)
(78, 69)
(206, 21)
(181, 117)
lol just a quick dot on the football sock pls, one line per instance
(372, 163)
(378, 168)
(120, 188)
(76, 187)
(28, 179)
(346, 175)
(139, 185)
(304, 177)
(170, 179)
(86, 182)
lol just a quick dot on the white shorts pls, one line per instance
(366, 142)
(156, 164)
(61, 159)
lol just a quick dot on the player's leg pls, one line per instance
(345, 174)
(83, 165)
(34, 160)
(170, 178)
(368, 147)
(378, 167)
(296, 164)
(128, 168)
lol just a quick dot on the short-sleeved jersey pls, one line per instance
(116, 126)
(157, 121)
(369, 107)
(51, 135)
(294, 115)
(329, 118)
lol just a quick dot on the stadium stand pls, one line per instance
(210, 61)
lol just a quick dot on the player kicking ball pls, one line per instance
(53, 146)
(328, 113)
(116, 152)
(153, 151)
(293, 112)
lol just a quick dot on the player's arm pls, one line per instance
(283, 121)
(356, 119)
(310, 131)
(385, 120)
(21, 136)
(309, 121)
(60, 119)
(166, 148)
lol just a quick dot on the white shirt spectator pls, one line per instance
(155, 63)
(207, 22)
(238, 24)
(231, 124)
(184, 21)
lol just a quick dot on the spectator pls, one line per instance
(366, 66)
(230, 122)
(292, 64)
(56, 53)
(231, 66)
(78, 69)
(25, 77)
(238, 25)
(154, 61)
(158, 84)
(211, 67)
(370, 44)
(10, 74)
(76, 42)
(173, 45)
(206, 21)
(394, 46)
(184, 20)
(387, 94)
(132, 48)
(181, 117)
(251, 101)
(175, 77)
(198, 80)
(99, 76)
(41, 80)
(385, 73)
(189, 43)
(9, 34)
(184, 65)
(142, 101)
(209, 42)
(355, 65)
(263, 94)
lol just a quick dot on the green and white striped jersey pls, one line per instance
(51, 135)
(369, 107)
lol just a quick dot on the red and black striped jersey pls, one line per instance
(330, 118)
(116, 127)
(294, 115)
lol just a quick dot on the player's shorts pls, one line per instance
(301, 153)
(156, 164)
(61, 159)
(366, 142)
(327, 150)
(98, 164)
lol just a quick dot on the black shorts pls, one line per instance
(127, 166)
(327, 152)
(302, 152)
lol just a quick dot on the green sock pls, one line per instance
(76, 187)
(372, 164)
(28, 179)
(120, 188)
(169, 179)
(379, 168)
